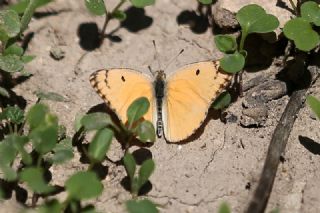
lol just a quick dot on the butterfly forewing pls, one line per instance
(188, 95)
(120, 87)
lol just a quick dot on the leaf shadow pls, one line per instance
(310, 145)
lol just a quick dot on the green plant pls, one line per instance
(252, 19)
(98, 8)
(314, 104)
(302, 29)
(135, 127)
(12, 26)
(205, 1)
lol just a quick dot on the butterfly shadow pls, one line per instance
(212, 114)
(310, 145)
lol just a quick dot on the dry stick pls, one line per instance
(276, 148)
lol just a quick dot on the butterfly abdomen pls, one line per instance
(159, 85)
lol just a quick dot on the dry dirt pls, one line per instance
(222, 165)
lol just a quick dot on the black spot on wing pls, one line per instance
(123, 79)
(197, 72)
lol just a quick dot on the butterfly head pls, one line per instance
(160, 75)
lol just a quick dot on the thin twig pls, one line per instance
(276, 148)
(108, 17)
(294, 7)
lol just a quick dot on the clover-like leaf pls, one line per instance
(310, 11)
(314, 104)
(34, 177)
(226, 43)
(145, 172)
(120, 15)
(100, 144)
(301, 32)
(44, 137)
(18, 143)
(96, 7)
(142, 3)
(145, 132)
(13, 49)
(222, 101)
(96, 121)
(9, 23)
(254, 19)
(36, 115)
(83, 185)
(141, 206)
(232, 63)
(130, 165)
(137, 109)
(21, 6)
(11, 63)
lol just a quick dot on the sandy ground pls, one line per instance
(222, 165)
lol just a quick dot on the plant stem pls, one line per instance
(27, 15)
(109, 17)
(243, 38)
(294, 7)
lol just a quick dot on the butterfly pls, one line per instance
(178, 104)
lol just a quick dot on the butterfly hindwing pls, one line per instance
(120, 87)
(188, 95)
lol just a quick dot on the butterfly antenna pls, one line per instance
(156, 54)
(174, 58)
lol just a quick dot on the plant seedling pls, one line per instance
(314, 104)
(300, 28)
(98, 8)
(12, 26)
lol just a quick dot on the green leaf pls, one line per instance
(100, 144)
(83, 185)
(232, 63)
(36, 115)
(44, 137)
(4, 92)
(205, 1)
(53, 206)
(21, 6)
(120, 15)
(141, 206)
(11, 63)
(137, 109)
(145, 132)
(61, 156)
(18, 143)
(14, 114)
(52, 96)
(300, 31)
(224, 208)
(9, 23)
(145, 171)
(254, 19)
(142, 3)
(34, 177)
(130, 165)
(314, 104)
(27, 58)
(222, 101)
(310, 11)
(225, 43)
(13, 49)
(7, 152)
(9, 173)
(96, 121)
(96, 7)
